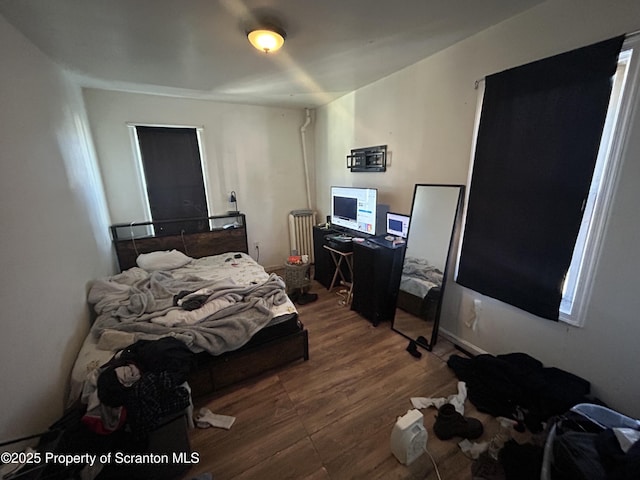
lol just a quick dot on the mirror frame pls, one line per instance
(455, 229)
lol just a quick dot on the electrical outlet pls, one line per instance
(256, 245)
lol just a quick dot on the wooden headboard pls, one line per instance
(218, 234)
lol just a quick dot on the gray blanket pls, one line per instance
(420, 268)
(132, 300)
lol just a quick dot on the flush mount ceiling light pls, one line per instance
(267, 39)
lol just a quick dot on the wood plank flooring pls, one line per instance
(331, 417)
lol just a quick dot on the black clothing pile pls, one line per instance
(585, 450)
(521, 461)
(519, 387)
(164, 365)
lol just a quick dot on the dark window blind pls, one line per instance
(538, 140)
(173, 173)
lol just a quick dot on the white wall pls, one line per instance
(255, 151)
(54, 235)
(425, 114)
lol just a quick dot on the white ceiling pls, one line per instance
(198, 48)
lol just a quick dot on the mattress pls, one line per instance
(416, 286)
(238, 268)
(419, 276)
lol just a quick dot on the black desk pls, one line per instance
(377, 267)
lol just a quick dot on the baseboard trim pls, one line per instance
(462, 344)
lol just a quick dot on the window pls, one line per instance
(577, 285)
(172, 175)
(536, 148)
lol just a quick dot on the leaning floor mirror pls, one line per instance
(435, 218)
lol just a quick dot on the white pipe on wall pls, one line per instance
(303, 130)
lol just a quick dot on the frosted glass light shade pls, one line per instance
(266, 41)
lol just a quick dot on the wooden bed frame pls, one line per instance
(231, 236)
(423, 307)
(212, 372)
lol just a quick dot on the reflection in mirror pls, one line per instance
(435, 215)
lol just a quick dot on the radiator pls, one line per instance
(301, 224)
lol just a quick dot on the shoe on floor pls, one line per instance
(307, 298)
(295, 295)
(412, 348)
(450, 423)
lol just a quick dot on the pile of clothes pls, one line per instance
(519, 387)
(593, 442)
(139, 387)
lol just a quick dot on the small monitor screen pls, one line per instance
(354, 208)
(397, 225)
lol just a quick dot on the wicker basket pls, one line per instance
(296, 276)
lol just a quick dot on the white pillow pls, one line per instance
(164, 260)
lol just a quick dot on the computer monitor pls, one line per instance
(397, 224)
(354, 208)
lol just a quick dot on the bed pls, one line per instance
(420, 288)
(239, 323)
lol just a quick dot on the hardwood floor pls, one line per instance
(331, 417)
